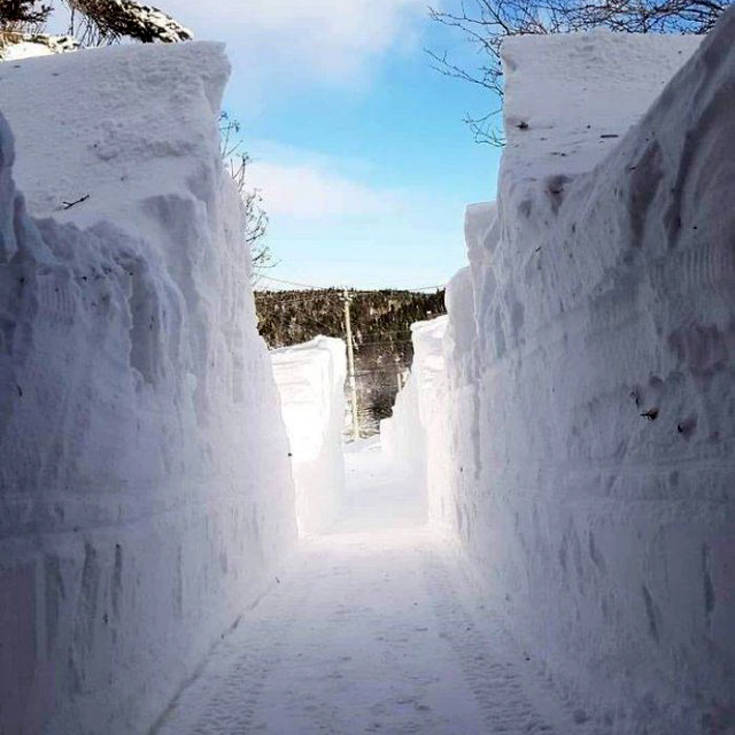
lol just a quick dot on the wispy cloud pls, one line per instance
(332, 39)
(336, 220)
(311, 192)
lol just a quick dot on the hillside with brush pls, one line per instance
(381, 333)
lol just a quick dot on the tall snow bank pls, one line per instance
(310, 379)
(416, 437)
(591, 378)
(402, 436)
(145, 488)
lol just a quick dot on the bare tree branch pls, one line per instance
(107, 21)
(23, 15)
(255, 222)
(92, 23)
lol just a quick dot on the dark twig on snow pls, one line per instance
(69, 205)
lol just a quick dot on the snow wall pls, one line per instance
(145, 488)
(311, 379)
(591, 382)
(415, 437)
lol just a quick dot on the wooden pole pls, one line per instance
(351, 366)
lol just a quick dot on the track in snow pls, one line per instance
(373, 629)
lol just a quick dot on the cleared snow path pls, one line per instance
(372, 628)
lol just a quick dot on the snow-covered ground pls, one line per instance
(591, 382)
(145, 486)
(310, 379)
(380, 494)
(374, 627)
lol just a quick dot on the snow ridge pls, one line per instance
(145, 485)
(591, 386)
(602, 399)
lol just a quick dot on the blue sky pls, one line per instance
(359, 147)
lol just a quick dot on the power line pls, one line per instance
(388, 342)
(298, 297)
(314, 323)
(382, 371)
(295, 283)
(401, 290)
(354, 291)
(311, 296)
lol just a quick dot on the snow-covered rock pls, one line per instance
(591, 381)
(311, 379)
(145, 488)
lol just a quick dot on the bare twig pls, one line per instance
(255, 221)
(69, 205)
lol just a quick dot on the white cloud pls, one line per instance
(309, 192)
(332, 39)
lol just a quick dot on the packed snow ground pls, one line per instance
(372, 627)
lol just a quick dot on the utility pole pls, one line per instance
(351, 366)
(399, 375)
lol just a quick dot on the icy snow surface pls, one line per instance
(590, 376)
(375, 627)
(145, 487)
(310, 379)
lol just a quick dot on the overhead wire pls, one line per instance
(352, 291)
(315, 323)
(297, 298)
(293, 283)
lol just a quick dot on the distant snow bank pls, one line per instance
(590, 382)
(145, 488)
(310, 379)
(415, 437)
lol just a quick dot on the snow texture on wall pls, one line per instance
(591, 380)
(311, 379)
(402, 436)
(145, 488)
(416, 435)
